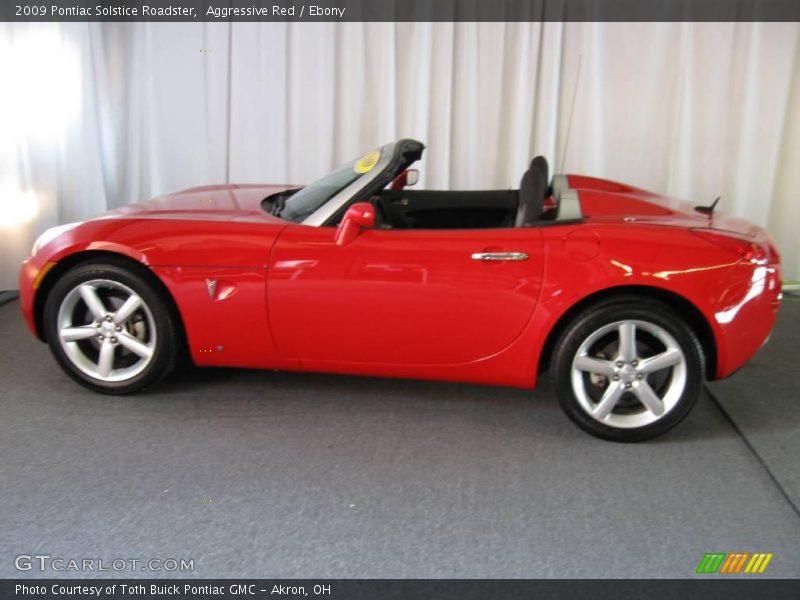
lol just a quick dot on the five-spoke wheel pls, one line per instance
(109, 329)
(639, 353)
(628, 372)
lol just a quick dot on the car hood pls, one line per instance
(603, 200)
(213, 202)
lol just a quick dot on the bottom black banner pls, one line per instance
(389, 589)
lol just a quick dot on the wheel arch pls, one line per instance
(683, 307)
(99, 256)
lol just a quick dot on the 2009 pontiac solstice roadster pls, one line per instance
(631, 299)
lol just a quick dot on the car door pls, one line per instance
(417, 297)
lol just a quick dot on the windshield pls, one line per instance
(307, 200)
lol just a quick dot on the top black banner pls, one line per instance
(399, 10)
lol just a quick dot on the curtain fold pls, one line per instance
(96, 115)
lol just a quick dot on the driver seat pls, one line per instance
(532, 192)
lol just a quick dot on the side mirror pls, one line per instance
(412, 177)
(359, 215)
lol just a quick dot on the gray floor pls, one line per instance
(267, 474)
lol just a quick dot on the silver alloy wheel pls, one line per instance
(628, 375)
(106, 330)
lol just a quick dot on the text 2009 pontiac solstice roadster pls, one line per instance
(631, 299)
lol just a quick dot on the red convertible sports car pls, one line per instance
(631, 299)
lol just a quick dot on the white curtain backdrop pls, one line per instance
(93, 116)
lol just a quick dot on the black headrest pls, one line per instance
(540, 163)
(532, 191)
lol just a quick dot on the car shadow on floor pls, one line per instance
(255, 393)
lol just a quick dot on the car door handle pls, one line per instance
(499, 256)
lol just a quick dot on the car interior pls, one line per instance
(398, 208)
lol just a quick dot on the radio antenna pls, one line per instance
(708, 210)
(571, 112)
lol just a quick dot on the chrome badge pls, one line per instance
(211, 284)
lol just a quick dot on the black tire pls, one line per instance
(152, 322)
(627, 421)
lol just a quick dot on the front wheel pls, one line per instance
(628, 371)
(109, 329)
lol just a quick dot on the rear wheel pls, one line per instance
(108, 328)
(628, 372)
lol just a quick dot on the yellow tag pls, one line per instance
(367, 162)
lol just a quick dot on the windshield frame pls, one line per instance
(298, 204)
(336, 203)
